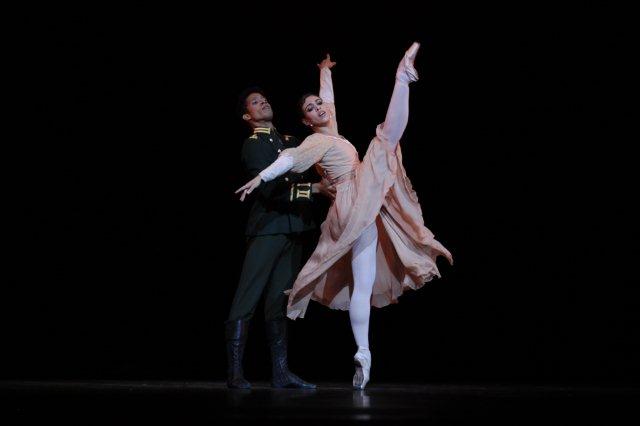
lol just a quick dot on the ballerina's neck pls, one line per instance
(327, 131)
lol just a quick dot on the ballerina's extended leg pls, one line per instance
(398, 112)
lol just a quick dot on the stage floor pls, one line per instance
(111, 402)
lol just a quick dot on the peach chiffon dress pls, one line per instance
(375, 189)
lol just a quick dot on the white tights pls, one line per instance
(397, 114)
(363, 265)
(363, 259)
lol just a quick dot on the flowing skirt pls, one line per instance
(379, 191)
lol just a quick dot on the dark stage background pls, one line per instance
(130, 239)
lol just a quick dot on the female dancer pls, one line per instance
(373, 244)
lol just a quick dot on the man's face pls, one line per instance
(258, 108)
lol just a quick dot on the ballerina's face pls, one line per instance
(314, 112)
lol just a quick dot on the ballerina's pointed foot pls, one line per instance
(406, 71)
(362, 361)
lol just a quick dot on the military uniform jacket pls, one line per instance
(281, 206)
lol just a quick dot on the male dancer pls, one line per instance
(279, 218)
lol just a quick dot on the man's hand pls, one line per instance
(325, 189)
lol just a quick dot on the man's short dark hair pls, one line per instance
(242, 98)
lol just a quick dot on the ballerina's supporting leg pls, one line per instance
(363, 264)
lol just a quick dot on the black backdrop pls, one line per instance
(130, 239)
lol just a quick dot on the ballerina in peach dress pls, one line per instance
(374, 244)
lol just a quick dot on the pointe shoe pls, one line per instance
(406, 71)
(362, 361)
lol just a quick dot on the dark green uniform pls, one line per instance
(280, 215)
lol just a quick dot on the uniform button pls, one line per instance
(271, 139)
(279, 150)
(286, 179)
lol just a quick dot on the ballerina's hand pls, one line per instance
(326, 63)
(249, 186)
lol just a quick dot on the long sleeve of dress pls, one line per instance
(326, 93)
(282, 165)
(308, 153)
